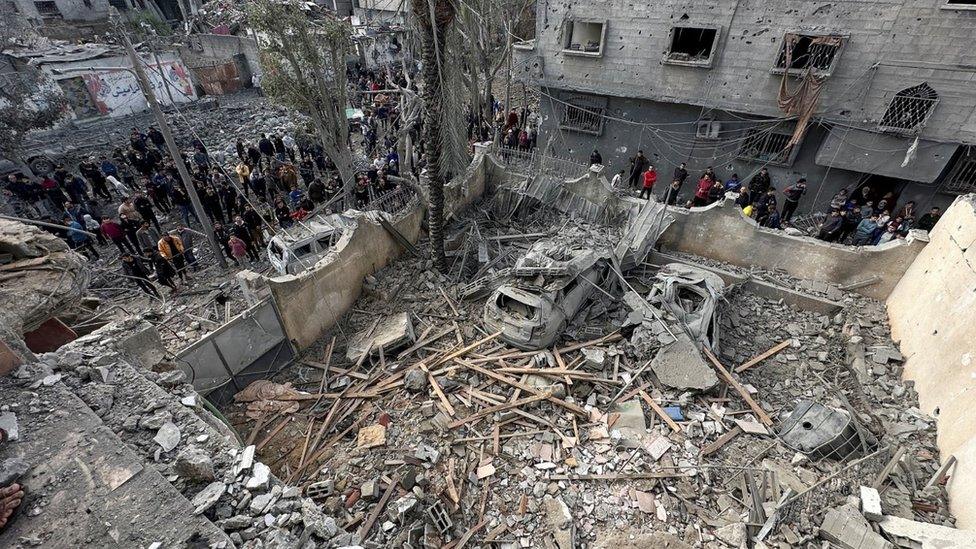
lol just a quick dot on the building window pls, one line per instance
(962, 178)
(766, 145)
(47, 8)
(909, 110)
(582, 117)
(802, 52)
(584, 38)
(692, 46)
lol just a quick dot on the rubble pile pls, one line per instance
(451, 435)
(122, 374)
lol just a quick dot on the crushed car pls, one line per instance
(545, 290)
(298, 248)
(692, 295)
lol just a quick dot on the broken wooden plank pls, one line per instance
(940, 474)
(756, 360)
(421, 342)
(525, 387)
(892, 463)
(368, 525)
(500, 408)
(756, 408)
(721, 441)
(469, 534)
(437, 390)
(660, 411)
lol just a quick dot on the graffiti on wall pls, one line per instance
(117, 92)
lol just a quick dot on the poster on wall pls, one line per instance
(116, 92)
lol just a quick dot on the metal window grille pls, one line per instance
(583, 118)
(962, 178)
(808, 55)
(768, 147)
(910, 109)
(47, 8)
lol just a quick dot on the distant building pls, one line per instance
(702, 83)
(379, 12)
(77, 19)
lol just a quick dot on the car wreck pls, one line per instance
(692, 295)
(296, 249)
(546, 289)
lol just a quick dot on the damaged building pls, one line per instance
(368, 400)
(844, 94)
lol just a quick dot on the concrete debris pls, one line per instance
(560, 521)
(390, 333)
(846, 528)
(415, 381)
(371, 437)
(733, 535)
(8, 423)
(194, 464)
(680, 365)
(922, 535)
(260, 475)
(266, 397)
(871, 503)
(168, 436)
(207, 497)
(11, 470)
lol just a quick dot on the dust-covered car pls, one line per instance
(547, 288)
(692, 295)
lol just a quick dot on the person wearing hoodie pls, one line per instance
(92, 226)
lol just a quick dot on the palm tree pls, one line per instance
(434, 18)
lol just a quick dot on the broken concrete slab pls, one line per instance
(168, 436)
(630, 423)
(871, 503)
(145, 346)
(207, 497)
(8, 422)
(681, 366)
(391, 333)
(845, 527)
(922, 535)
(560, 522)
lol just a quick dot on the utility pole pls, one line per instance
(174, 151)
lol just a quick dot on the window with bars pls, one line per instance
(47, 8)
(962, 178)
(583, 118)
(909, 110)
(801, 52)
(767, 146)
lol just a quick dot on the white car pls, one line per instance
(550, 285)
(298, 248)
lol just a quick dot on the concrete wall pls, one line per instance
(720, 231)
(891, 45)
(117, 92)
(674, 143)
(70, 10)
(312, 302)
(932, 312)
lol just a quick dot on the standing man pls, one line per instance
(638, 166)
(793, 194)
(760, 184)
(79, 240)
(680, 174)
(595, 158)
(134, 269)
(928, 221)
(650, 178)
(671, 195)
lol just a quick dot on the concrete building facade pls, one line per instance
(887, 85)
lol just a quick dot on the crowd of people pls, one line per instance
(864, 219)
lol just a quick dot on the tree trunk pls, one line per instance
(433, 35)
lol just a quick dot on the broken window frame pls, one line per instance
(706, 63)
(779, 65)
(567, 37)
(575, 110)
(902, 101)
(767, 136)
(962, 175)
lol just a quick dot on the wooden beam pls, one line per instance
(525, 387)
(721, 441)
(368, 525)
(437, 390)
(756, 408)
(660, 411)
(500, 408)
(756, 360)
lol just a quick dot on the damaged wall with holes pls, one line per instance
(315, 300)
(931, 312)
(643, 55)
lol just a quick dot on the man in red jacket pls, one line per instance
(701, 193)
(113, 231)
(650, 178)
